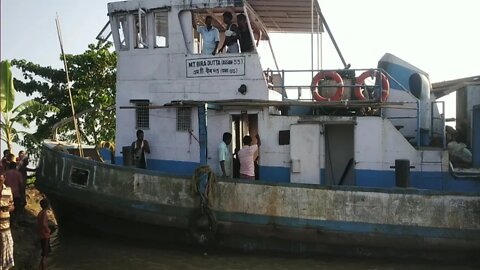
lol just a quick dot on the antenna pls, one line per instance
(77, 130)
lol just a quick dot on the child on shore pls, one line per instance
(44, 232)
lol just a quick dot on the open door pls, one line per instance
(306, 144)
(339, 155)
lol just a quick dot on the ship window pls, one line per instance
(122, 29)
(141, 30)
(284, 137)
(142, 113)
(161, 29)
(184, 119)
(79, 176)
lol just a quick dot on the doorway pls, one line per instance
(339, 154)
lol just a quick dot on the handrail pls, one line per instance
(283, 86)
(65, 121)
(442, 118)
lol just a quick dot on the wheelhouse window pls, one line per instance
(142, 113)
(248, 30)
(161, 29)
(141, 30)
(122, 30)
(184, 119)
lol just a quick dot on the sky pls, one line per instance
(439, 37)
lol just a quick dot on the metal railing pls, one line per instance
(442, 119)
(281, 81)
(277, 80)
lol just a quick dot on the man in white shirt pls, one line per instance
(246, 155)
(225, 156)
(210, 37)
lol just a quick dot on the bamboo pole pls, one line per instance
(75, 123)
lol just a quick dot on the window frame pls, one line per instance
(140, 38)
(181, 121)
(163, 12)
(77, 183)
(140, 111)
(122, 30)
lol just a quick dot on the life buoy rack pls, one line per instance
(202, 226)
(372, 73)
(323, 75)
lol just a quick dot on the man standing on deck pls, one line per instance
(225, 156)
(246, 43)
(246, 155)
(231, 34)
(210, 37)
(140, 148)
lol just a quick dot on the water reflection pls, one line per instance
(75, 249)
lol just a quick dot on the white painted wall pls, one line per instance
(159, 75)
(410, 124)
(271, 153)
(307, 149)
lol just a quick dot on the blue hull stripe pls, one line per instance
(352, 227)
(440, 181)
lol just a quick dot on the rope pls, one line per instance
(207, 197)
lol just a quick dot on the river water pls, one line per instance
(76, 249)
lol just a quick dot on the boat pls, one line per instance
(352, 161)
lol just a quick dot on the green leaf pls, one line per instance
(93, 75)
(7, 90)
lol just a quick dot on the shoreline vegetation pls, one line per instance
(26, 249)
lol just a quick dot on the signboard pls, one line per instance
(215, 67)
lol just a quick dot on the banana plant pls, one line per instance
(19, 116)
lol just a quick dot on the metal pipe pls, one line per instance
(333, 39)
(443, 126)
(273, 55)
(418, 123)
(318, 42)
(311, 37)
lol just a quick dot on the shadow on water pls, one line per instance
(76, 247)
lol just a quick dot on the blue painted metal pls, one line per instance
(439, 181)
(343, 226)
(275, 174)
(476, 136)
(202, 131)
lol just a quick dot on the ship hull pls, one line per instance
(260, 216)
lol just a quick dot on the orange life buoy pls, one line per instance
(372, 73)
(323, 75)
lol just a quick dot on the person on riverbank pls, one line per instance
(140, 148)
(44, 232)
(6, 206)
(14, 180)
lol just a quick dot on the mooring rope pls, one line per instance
(206, 192)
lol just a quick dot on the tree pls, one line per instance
(93, 77)
(13, 117)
